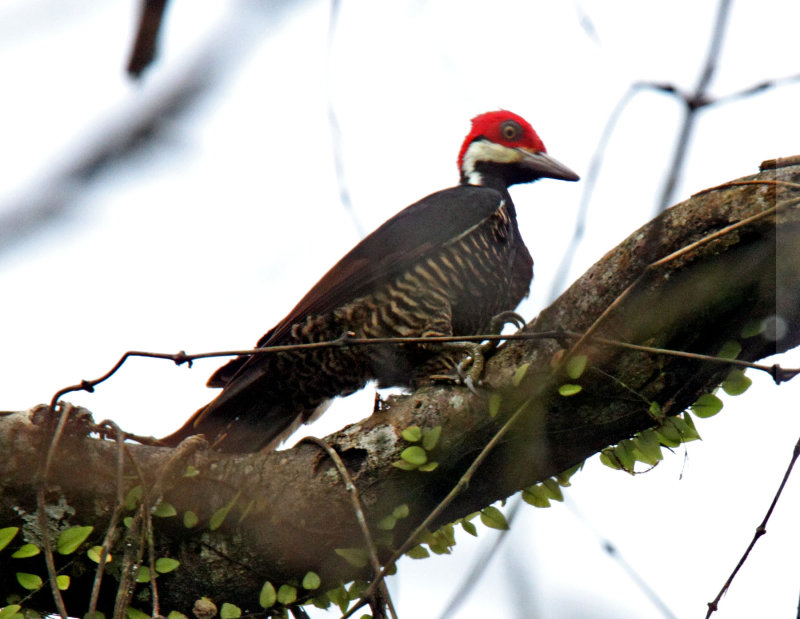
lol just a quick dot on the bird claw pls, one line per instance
(467, 381)
(472, 385)
(466, 375)
(505, 318)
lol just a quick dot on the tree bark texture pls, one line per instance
(290, 510)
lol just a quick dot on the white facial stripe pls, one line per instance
(483, 150)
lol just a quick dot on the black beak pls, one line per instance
(544, 166)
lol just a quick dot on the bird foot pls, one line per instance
(502, 319)
(468, 376)
(465, 375)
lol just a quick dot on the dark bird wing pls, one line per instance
(242, 411)
(405, 239)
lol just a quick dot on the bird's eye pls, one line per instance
(511, 130)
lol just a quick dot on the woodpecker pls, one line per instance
(445, 265)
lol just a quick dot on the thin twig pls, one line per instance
(134, 548)
(131, 560)
(756, 88)
(694, 102)
(151, 561)
(357, 509)
(337, 149)
(41, 508)
(119, 436)
(778, 373)
(145, 44)
(760, 530)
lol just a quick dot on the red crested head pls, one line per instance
(503, 148)
(502, 127)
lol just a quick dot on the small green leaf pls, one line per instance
(752, 328)
(404, 466)
(190, 519)
(568, 389)
(534, 496)
(414, 455)
(133, 613)
(28, 550)
(268, 596)
(730, 350)
(564, 477)
(174, 614)
(412, 434)
(553, 489)
(608, 458)
(10, 610)
(62, 582)
(70, 539)
(164, 565)
(311, 581)
(100, 615)
(624, 454)
(707, 405)
(469, 528)
(229, 611)
(736, 383)
(143, 575)
(94, 554)
(322, 601)
(339, 597)
(494, 518)
(519, 374)
(668, 434)
(431, 437)
(418, 552)
(127, 521)
(6, 535)
(31, 582)
(647, 447)
(428, 467)
(656, 412)
(357, 557)
(401, 511)
(387, 523)
(218, 517)
(685, 424)
(165, 510)
(133, 498)
(575, 366)
(246, 510)
(356, 589)
(494, 404)
(287, 594)
(191, 471)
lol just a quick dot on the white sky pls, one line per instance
(208, 237)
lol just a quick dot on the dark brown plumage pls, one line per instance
(443, 266)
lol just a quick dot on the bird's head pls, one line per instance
(503, 149)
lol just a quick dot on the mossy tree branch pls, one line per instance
(290, 508)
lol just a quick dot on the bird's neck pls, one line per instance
(486, 178)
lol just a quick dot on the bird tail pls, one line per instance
(236, 431)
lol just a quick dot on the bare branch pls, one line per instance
(145, 44)
(760, 530)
